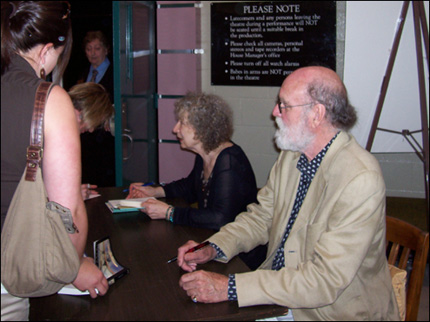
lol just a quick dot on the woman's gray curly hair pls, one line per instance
(209, 115)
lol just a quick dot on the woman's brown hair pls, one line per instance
(26, 24)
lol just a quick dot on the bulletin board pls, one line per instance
(260, 43)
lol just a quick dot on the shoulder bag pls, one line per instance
(37, 255)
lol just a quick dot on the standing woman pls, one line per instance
(36, 40)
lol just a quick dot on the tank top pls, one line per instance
(18, 89)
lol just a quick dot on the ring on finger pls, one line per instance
(194, 299)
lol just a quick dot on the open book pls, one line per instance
(105, 260)
(126, 205)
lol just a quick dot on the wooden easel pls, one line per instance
(420, 25)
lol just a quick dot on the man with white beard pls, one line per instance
(322, 212)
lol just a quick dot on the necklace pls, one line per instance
(205, 188)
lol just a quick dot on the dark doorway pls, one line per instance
(98, 146)
(86, 16)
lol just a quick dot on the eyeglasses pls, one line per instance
(289, 106)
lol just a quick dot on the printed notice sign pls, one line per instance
(260, 43)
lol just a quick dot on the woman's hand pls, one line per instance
(87, 190)
(137, 190)
(91, 278)
(155, 209)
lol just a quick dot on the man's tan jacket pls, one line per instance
(335, 263)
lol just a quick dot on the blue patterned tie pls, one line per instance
(93, 77)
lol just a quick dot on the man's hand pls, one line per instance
(188, 261)
(205, 287)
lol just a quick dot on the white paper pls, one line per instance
(69, 289)
(132, 203)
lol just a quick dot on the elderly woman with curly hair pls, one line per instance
(222, 181)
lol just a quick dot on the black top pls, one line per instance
(230, 189)
(98, 147)
(107, 81)
(18, 89)
(98, 158)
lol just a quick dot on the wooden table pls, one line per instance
(151, 290)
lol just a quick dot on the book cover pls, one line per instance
(126, 205)
(105, 260)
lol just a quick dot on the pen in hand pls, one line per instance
(191, 250)
(143, 185)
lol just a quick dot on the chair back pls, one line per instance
(404, 242)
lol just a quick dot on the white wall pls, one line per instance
(370, 31)
(252, 108)
(370, 28)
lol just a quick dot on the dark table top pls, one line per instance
(151, 290)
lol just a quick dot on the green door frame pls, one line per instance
(118, 95)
